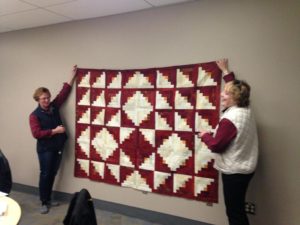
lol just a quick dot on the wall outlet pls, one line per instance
(250, 208)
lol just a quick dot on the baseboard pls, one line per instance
(148, 215)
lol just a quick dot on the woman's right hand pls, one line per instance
(58, 130)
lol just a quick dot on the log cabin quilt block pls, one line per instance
(138, 128)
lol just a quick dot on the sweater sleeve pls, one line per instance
(62, 96)
(229, 77)
(225, 134)
(36, 130)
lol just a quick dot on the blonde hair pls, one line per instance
(240, 91)
(38, 92)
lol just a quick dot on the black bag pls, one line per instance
(81, 210)
(5, 174)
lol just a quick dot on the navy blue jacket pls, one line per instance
(48, 121)
(43, 121)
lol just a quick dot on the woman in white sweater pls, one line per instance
(235, 142)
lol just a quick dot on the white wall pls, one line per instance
(261, 38)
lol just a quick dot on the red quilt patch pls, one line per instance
(138, 128)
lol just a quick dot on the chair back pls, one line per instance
(81, 210)
(5, 174)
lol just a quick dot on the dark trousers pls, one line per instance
(49, 165)
(235, 188)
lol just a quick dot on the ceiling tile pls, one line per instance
(20, 14)
(43, 3)
(166, 2)
(13, 6)
(32, 18)
(82, 9)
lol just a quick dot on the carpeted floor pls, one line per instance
(31, 216)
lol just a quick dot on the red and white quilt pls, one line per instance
(138, 128)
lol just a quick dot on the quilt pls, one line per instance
(138, 128)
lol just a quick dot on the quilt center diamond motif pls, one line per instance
(104, 143)
(137, 108)
(174, 152)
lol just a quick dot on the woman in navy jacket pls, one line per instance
(46, 126)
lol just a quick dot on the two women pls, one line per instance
(234, 141)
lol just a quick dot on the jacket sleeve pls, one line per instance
(225, 134)
(62, 96)
(36, 129)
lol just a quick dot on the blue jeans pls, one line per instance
(49, 165)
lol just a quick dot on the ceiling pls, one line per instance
(22, 14)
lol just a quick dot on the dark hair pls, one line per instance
(240, 91)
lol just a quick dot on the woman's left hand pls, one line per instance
(223, 65)
(74, 70)
(73, 76)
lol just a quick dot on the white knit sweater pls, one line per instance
(242, 154)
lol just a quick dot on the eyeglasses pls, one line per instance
(44, 98)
